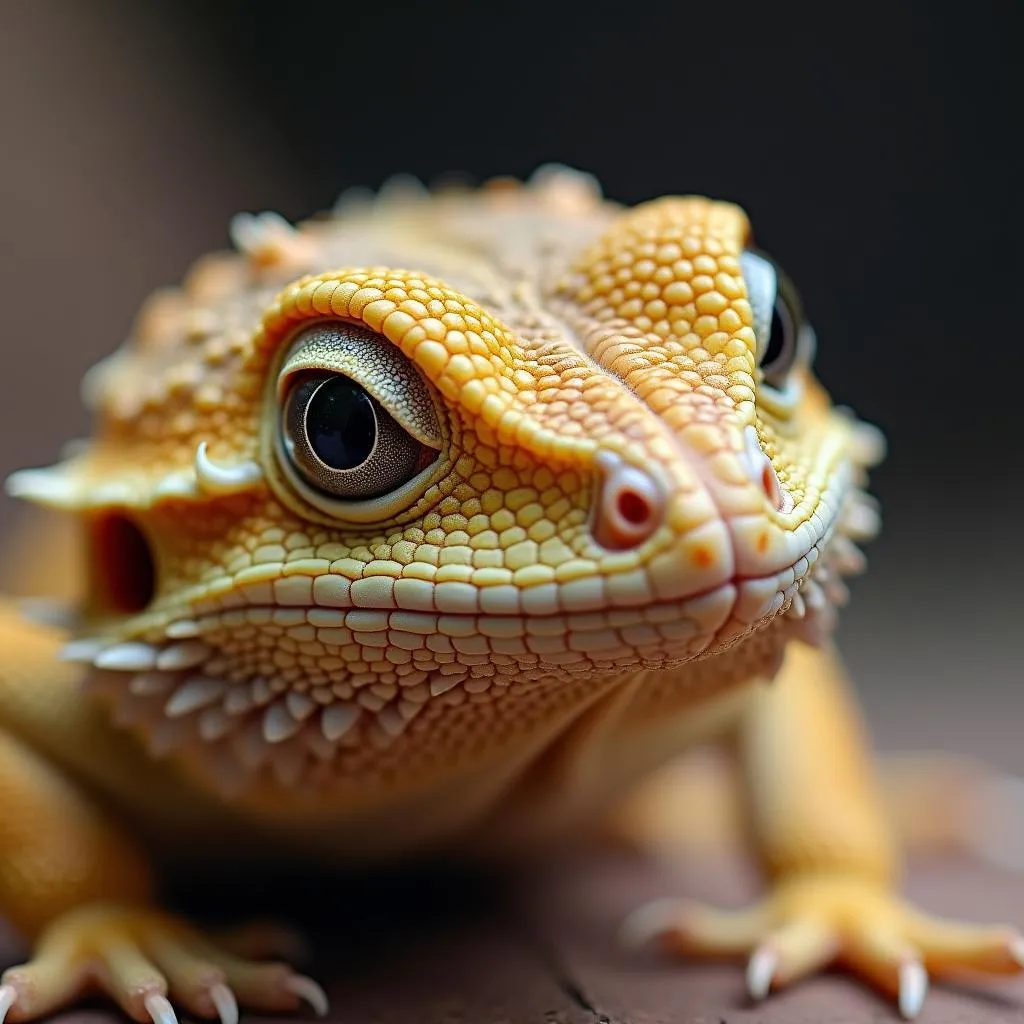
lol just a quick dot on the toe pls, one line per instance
(38, 988)
(132, 979)
(193, 980)
(792, 952)
(270, 987)
(950, 947)
(892, 964)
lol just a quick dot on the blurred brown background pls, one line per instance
(877, 152)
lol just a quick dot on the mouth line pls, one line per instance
(360, 622)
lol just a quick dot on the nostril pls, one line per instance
(629, 505)
(771, 485)
(763, 472)
(634, 508)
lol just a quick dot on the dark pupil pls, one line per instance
(340, 424)
(776, 338)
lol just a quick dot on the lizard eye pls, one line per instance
(784, 338)
(358, 431)
(780, 347)
(344, 443)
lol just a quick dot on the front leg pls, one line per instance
(816, 817)
(79, 889)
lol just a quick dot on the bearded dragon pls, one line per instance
(440, 522)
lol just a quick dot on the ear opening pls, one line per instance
(122, 570)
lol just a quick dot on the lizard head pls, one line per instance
(341, 515)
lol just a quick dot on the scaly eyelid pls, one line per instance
(374, 363)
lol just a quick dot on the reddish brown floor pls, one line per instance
(540, 949)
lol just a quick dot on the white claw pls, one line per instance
(159, 1009)
(761, 970)
(7, 997)
(913, 988)
(649, 921)
(226, 1004)
(307, 989)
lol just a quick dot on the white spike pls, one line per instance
(869, 444)
(442, 684)
(562, 178)
(299, 705)
(214, 479)
(814, 596)
(337, 719)
(278, 723)
(188, 654)
(862, 521)
(402, 188)
(127, 657)
(353, 201)
(252, 233)
(848, 556)
(798, 609)
(196, 692)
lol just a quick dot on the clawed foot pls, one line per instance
(145, 959)
(806, 924)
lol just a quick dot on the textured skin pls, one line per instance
(622, 528)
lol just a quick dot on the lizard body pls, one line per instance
(444, 520)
